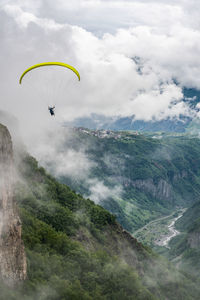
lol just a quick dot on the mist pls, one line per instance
(120, 75)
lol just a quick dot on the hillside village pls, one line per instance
(106, 133)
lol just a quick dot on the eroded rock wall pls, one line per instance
(12, 254)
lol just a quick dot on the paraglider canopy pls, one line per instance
(49, 64)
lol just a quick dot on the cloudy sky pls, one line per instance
(129, 54)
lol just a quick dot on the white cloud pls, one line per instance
(56, 154)
(158, 105)
(128, 70)
(98, 191)
(128, 54)
(23, 18)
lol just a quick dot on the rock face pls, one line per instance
(12, 254)
(160, 190)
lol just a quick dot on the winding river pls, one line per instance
(164, 240)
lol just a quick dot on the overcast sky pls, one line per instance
(128, 54)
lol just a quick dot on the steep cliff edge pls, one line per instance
(12, 255)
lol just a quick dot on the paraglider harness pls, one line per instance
(51, 110)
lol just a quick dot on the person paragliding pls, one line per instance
(51, 110)
(45, 64)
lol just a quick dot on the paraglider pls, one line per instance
(49, 64)
(50, 108)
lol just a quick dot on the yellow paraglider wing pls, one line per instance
(49, 64)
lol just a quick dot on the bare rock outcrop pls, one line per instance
(12, 254)
(160, 190)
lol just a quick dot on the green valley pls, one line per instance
(152, 173)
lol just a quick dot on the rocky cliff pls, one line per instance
(161, 190)
(12, 255)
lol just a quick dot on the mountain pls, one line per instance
(98, 122)
(95, 121)
(136, 177)
(76, 249)
(12, 255)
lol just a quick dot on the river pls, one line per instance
(164, 240)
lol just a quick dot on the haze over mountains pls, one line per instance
(75, 249)
(174, 124)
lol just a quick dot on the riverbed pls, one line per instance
(160, 231)
(164, 240)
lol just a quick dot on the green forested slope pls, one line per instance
(155, 172)
(76, 249)
(185, 248)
